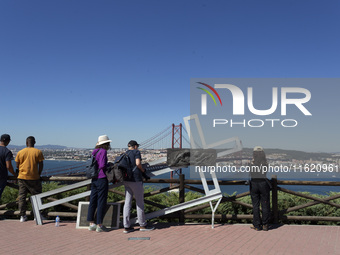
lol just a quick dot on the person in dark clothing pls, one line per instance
(260, 190)
(6, 157)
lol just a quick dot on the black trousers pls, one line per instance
(260, 194)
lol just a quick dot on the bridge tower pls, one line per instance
(176, 142)
(176, 136)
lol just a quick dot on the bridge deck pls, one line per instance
(29, 238)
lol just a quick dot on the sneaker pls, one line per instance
(265, 228)
(23, 218)
(92, 227)
(256, 228)
(128, 230)
(101, 229)
(146, 228)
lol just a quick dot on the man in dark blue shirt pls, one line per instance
(6, 158)
(135, 187)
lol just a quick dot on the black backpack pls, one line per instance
(92, 167)
(120, 170)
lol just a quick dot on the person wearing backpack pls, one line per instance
(134, 187)
(99, 185)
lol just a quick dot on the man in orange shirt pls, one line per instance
(30, 164)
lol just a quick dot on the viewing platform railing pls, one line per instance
(278, 216)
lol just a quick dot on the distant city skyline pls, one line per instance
(71, 71)
(63, 147)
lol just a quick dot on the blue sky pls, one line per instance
(73, 70)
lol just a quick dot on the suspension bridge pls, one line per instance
(173, 136)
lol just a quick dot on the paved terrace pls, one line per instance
(29, 238)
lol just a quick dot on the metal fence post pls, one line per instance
(275, 200)
(181, 196)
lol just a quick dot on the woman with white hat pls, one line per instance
(99, 185)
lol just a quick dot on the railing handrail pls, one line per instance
(278, 215)
(191, 181)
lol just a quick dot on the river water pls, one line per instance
(55, 167)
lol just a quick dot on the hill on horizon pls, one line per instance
(40, 147)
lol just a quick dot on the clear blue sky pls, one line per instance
(73, 70)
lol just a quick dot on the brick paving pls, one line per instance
(28, 238)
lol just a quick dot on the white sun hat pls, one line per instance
(103, 139)
(258, 148)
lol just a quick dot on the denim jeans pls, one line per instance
(98, 199)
